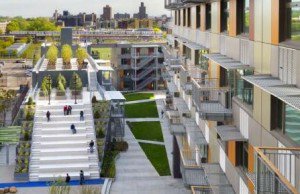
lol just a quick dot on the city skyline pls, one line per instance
(32, 8)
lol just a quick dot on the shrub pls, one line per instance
(66, 53)
(96, 115)
(30, 101)
(89, 190)
(76, 77)
(100, 133)
(94, 99)
(61, 89)
(52, 54)
(29, 116)
(121, 146)
(81, 55)
(62, 79)
(46, 86)
(59, 186)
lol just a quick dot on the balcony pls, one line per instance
(176, 127)
(212, 103)
(173, 4)
(276, 170)
(194, 1)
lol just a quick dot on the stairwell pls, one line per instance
(143, 63)
(55, 150)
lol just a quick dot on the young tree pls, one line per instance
(66, 54)
(76, 79)
(61, 79)
(81, 55)
(6, 98)
(52, 54)
(46, 86)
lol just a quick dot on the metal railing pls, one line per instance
(276, 170)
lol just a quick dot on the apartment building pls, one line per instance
(233, 100)
(137, 66)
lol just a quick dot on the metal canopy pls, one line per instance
(196, 136)
(229, 133)
(195, 176)
(217, 178)
(172, 88)
(288, 93)
(190, 44)
(226, 62)
(181, 105)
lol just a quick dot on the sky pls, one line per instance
(46, 8)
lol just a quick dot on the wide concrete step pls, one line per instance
(65, 123)
(60, 159)
(58, 118)
(61, 106)
(61, 167)
(60, 137)
(59, 112)
(73, 174)
(46, 131)
(61, 144)
(61, 152)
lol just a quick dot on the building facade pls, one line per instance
(137, 67)
(106, 13)
(233, 94)
(142, 12)
(69, 20)
(120, 16)
(3, 27)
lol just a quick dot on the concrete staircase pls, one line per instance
(55, 150)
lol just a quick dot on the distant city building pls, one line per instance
(106, 13)
(68, 20)
(111, 24)
(120, 16)
(142, 12)
(3, 26)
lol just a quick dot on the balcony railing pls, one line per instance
(276, 169)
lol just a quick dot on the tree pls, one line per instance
(66, 54)
(52, 54)
(46, 86)
(76, 77)
(61, 79)
(81, 55)
(1, 32)
(6, 98)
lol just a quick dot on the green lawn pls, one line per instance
(10, 134)
(141, 110)
(138, 96)
(158, 157)
(147, 131)
(103, 53)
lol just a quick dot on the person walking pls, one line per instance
(81, 175)
(81, 116)
(65, 109)
(70, 109)
(92, 143)
(68, 178)
(162, 113)
(48, 115)
(73, 129)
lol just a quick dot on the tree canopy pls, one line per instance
(76, 79)
(81, 54)
(52, 54)
(32, 24)
(66, 53)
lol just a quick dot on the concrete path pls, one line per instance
(139, 101)
(142, 119)
(150, 142)
(136, 175)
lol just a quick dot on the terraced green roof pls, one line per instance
(10, 134)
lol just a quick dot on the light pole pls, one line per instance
(49, 87)
(75, 84)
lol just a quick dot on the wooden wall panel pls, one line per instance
(232, 18)
(251, 28)
(216, 17)
(258, 15)
(231, 152)
(267, 21)
(257, 104)
(203, 21)
(275, 22)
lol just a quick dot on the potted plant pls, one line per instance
(81, 54)
(66, 54)
(51, 55)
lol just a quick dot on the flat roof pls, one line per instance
(288, 93)
(226, 62)
(114, 95)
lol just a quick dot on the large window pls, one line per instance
(225, 15)
(208, 16)
(243, 89)
(198, 16)
(179, 17)
(203, 61)
(176, 17)
(189, 17)
(293, 20)
(184, 17)
(243, 15)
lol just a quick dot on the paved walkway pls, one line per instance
(135, 173)
(150, 142)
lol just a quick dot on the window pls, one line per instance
(189, 17)
(290, 19)
(203, 61)
(243, 12)
(176, 17)
(276, 113)
(292, 123)
(198, 16)
(179, 17)
(223, 77)
(225, 15)
(208, 16)
(243, 89)
(184, 17)
(188, 53)
(125, 51)
(242, 155)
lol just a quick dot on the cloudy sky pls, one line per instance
(34, 8)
